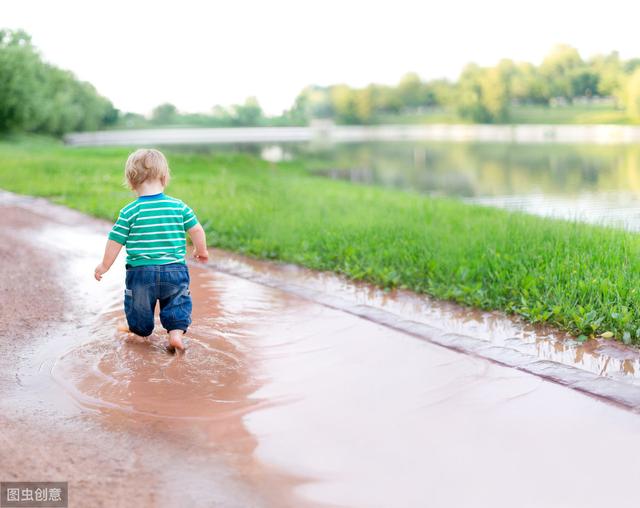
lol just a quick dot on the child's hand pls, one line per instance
(201, 256)
(100, 270)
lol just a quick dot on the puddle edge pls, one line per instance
(611, 390)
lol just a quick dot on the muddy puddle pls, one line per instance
(90, 365)
(306, 405)
(608, 358)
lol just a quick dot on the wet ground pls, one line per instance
(287, 397)
(604, 357)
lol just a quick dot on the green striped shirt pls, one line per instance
(153, 230)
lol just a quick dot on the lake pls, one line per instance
(591, 182)
(588, 173)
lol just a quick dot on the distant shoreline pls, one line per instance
(523, 133)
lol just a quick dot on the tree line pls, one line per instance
(36, 96)
(485, 94)
(247, 114)
(480, 94)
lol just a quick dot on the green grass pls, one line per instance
(574, 114)
(437, 116)
(522, 114)
(582, 278)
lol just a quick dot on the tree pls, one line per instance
(411, 91)
(344, 104)
(385, 99)
(38, 97)
(494, 86)
(363, 99)
(164, 114)
(527, 85)
(443, 92)
(483, 94)
(559, 68)
(312, 102)
(22, 97)
(610, 73)
(632, 95)
(249, 113)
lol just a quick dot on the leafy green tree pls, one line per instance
(164, 114)
(131, 120)
(312, 102)
(248, 114)
(494, 86)
(443, 92)
(344, 104)
(483, 94)
(631, 65)
(560, 68)
(385, 99)
(632, 95)
(469, 97)
(583, 82)
(527, 85)
(22, 74)
(411, 91)
(110, 115)
(221, 114)
(609, 69)
(38, 97)
(364, 104)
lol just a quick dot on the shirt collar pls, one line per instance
(151, 196)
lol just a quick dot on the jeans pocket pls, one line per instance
(128, 297)
(182, 297)
(128, 303)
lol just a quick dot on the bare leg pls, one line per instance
(123, 327)
(175, 339)
(129, 336)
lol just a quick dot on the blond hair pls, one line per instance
(146, 164)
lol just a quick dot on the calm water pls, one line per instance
(595, 183)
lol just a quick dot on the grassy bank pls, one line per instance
(573, 114)
(582, 278)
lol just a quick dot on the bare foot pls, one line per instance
(175, 341)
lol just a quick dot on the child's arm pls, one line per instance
(199, 241)
(111, 252)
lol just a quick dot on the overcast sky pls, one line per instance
(196, 54)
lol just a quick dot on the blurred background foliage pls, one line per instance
(36, 96)
(489, 94)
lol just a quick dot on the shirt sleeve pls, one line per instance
(120, 230)
(189, 218)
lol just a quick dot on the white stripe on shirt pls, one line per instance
(156, 248)
(160, 217)
(160, 240)
(172, 232)
(155, 225)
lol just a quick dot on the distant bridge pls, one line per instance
(600, 134)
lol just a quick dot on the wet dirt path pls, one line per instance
(279, 400)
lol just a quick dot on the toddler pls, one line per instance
(153, 230)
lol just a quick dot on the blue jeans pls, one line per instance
(146, 285)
